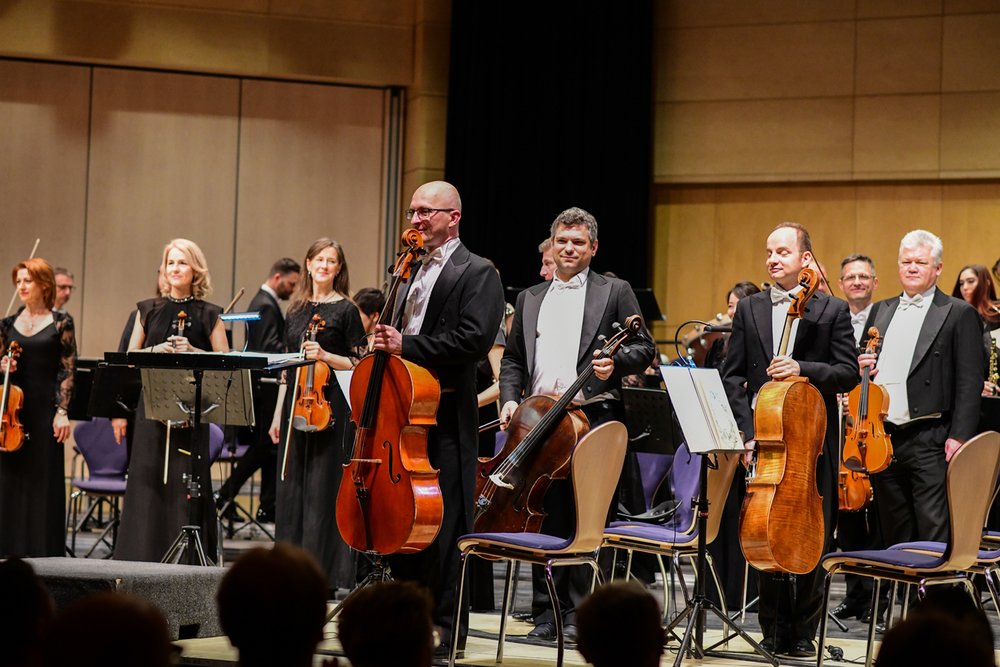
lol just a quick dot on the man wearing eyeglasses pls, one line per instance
(446, 318)
(64, 288)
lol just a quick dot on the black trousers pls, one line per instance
(261, 454)
(790, 608)
(857, 531)
(912, 492)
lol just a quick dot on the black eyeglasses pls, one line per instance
(425, 213)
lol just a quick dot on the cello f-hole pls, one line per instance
(392, 478)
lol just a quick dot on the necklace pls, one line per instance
(184, 300)
(31, 321)
(333, 296)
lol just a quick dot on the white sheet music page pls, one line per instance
(700, 402)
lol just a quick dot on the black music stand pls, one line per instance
(650, 422)
(187, 372)
(115, 392)
(708, 425)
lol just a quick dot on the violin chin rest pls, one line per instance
(853, 463)
(300, 424)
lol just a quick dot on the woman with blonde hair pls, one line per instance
(305, 509)
(32, 485)
(154, 512)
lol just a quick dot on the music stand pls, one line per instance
(648, 305)
(181, 380)
(649, 419)
(83, 382)
(709, 427)
(115, 392)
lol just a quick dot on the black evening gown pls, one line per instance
(306, 505)
(153, 512)
(32, 479)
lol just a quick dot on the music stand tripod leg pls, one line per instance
(381, 572)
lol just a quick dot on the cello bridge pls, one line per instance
(498, 480)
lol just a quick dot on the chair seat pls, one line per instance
(939, 547)
(651, 533)
(100, 486)
(527, 541)
(910, 560)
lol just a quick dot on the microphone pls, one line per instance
(718, 328)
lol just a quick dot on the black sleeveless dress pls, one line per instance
(306, 506)
(153, 512)
(32, 478)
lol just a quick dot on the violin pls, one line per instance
(181, 325)
(854, 490)
(311, 411)
(389, 499)
(781, 521)
(541, 436)
(11, 430)
(867, 448)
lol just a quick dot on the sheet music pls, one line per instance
(344, 380)
(701, 405)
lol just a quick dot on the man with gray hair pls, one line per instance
(932, 366)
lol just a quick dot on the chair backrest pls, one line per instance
(972, 474)
(216, 439)
(719, 481)
(596, 466)
(96, 441)
(684, 481)
(653, 468)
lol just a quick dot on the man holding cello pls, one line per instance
(821, 349)
(450, 310)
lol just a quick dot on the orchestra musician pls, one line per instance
(553, 338)
(975, 286)
(821, 349)
(32, 480)
(451, 310)
(933, 369)
(305, 510)
(265, 335)
(154, 512)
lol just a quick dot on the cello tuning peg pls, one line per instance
(617, 325)
(625, 349)
(602, 337)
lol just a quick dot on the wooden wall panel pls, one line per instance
(163, 165)
(44, 112)
(311, 163)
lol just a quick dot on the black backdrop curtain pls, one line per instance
(550, 106)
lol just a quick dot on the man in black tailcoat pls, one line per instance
(557, 328)
(821, 349)
(448, 313)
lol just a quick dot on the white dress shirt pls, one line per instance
(897, 354)
(779, 314)
(557, 335)
(858, 322)
(423, 285)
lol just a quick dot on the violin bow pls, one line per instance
(14, 295)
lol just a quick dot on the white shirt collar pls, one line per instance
(267, 288)
(579, 280)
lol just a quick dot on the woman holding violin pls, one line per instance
(32, 479)
(179, 320)
(325, 324)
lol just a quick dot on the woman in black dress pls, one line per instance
(32, 480)
(305, 511)
(154, 512)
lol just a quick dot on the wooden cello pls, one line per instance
(781, 521)
(389, 499)
(11, 429)
(541, 436)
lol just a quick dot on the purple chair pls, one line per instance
(105, 484)
(596, 466)
(972, 475)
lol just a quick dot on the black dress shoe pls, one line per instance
(265, 517)
(773, 645)
(846, 610)
(569, 633)
(444, 650)
(543, 631)
(802, 648)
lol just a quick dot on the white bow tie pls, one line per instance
(906, 301)
(572, 283)
(779, 295)
(859, 318)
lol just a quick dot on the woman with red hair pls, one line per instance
(32, 486)
(975, 286)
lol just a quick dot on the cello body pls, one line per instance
(519, 509)
(389, 499)
(781, 521)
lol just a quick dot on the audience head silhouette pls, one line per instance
(945, 628)
(27, 610)
(132, 632)
(272, 606)
(404, 634)
(620, 624)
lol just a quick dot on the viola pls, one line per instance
(867, 447)
(311, 411)
(854, 490)
(389, 499)
(541, 436)
(781, 521)
(11, 430)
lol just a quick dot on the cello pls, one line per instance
(541, 436)
(389, 499)
(781, 521)
(11, 429)
(867, 448)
